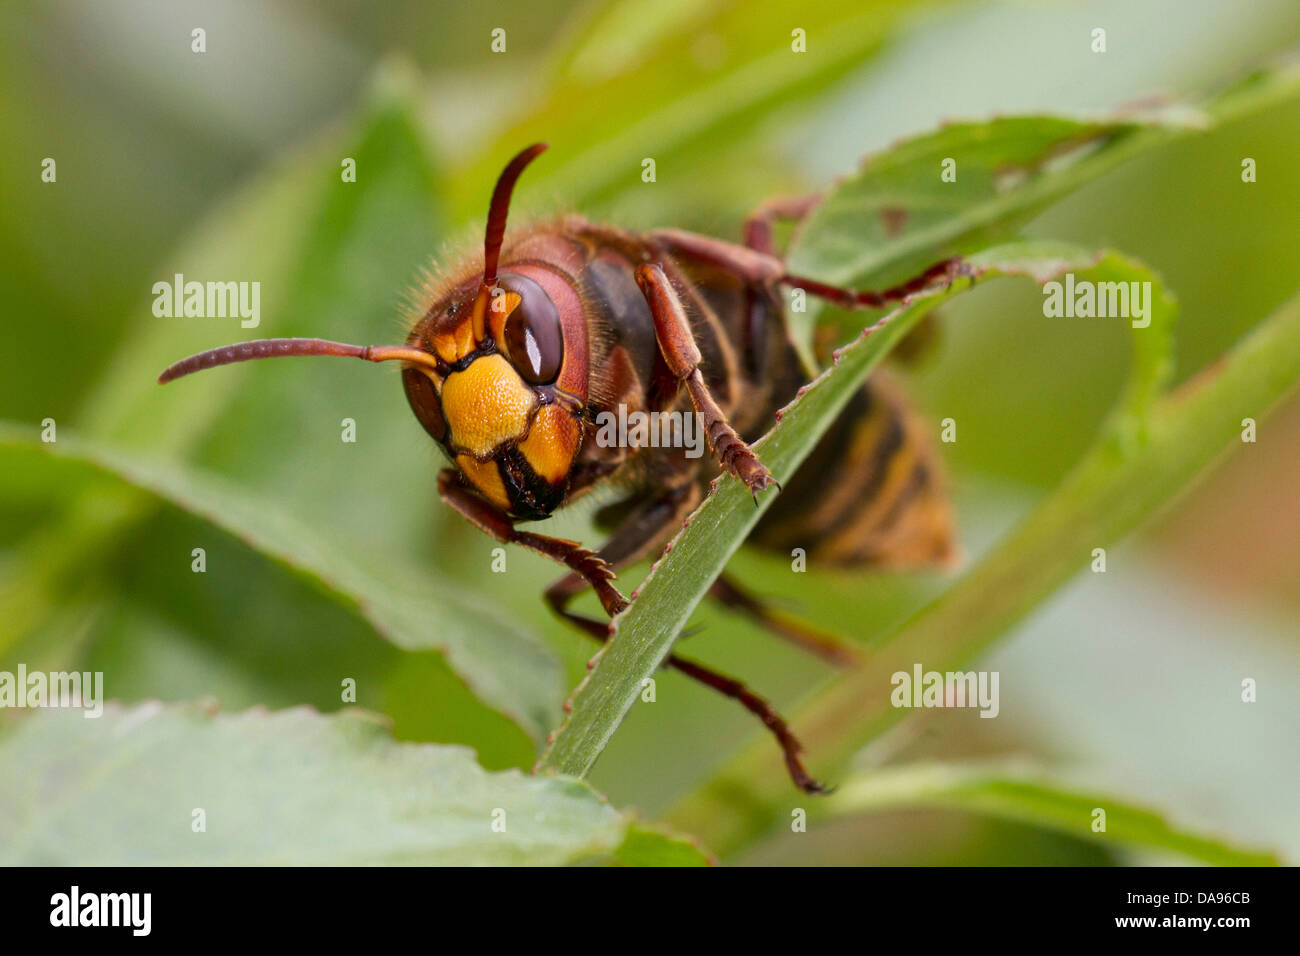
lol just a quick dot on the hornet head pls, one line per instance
(495, 371)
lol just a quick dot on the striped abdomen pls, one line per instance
(870, 493)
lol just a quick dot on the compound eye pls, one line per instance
(532, 338)
(424, 401)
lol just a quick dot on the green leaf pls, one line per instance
(1018, 792)
(658, 846)
(896, 215)
(310, 239)
(505, 666)
(1119, 484)
(645, 632)
(713, 71)
(291, 787)
(313, 242)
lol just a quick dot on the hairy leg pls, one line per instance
(677, 345)
(583, 562)
(763, 267)
(640, 533)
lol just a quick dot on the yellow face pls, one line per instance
(486, 405)
(498, 410)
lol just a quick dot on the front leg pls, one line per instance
(643, 532)
(488, 518)
(677, 344)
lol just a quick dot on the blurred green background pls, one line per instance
(225, 166)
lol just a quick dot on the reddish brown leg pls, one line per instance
(946, 272)
(645, 530)
(828, 648)
(752, 265)
(736, 690)
(760, 708)
(677, 344)
(758, 227)
(558, 596)
(759, 266)
(642, 532)
(586, 564)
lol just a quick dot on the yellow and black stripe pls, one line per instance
(870, 494)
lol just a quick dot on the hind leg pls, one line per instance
(830, 649)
